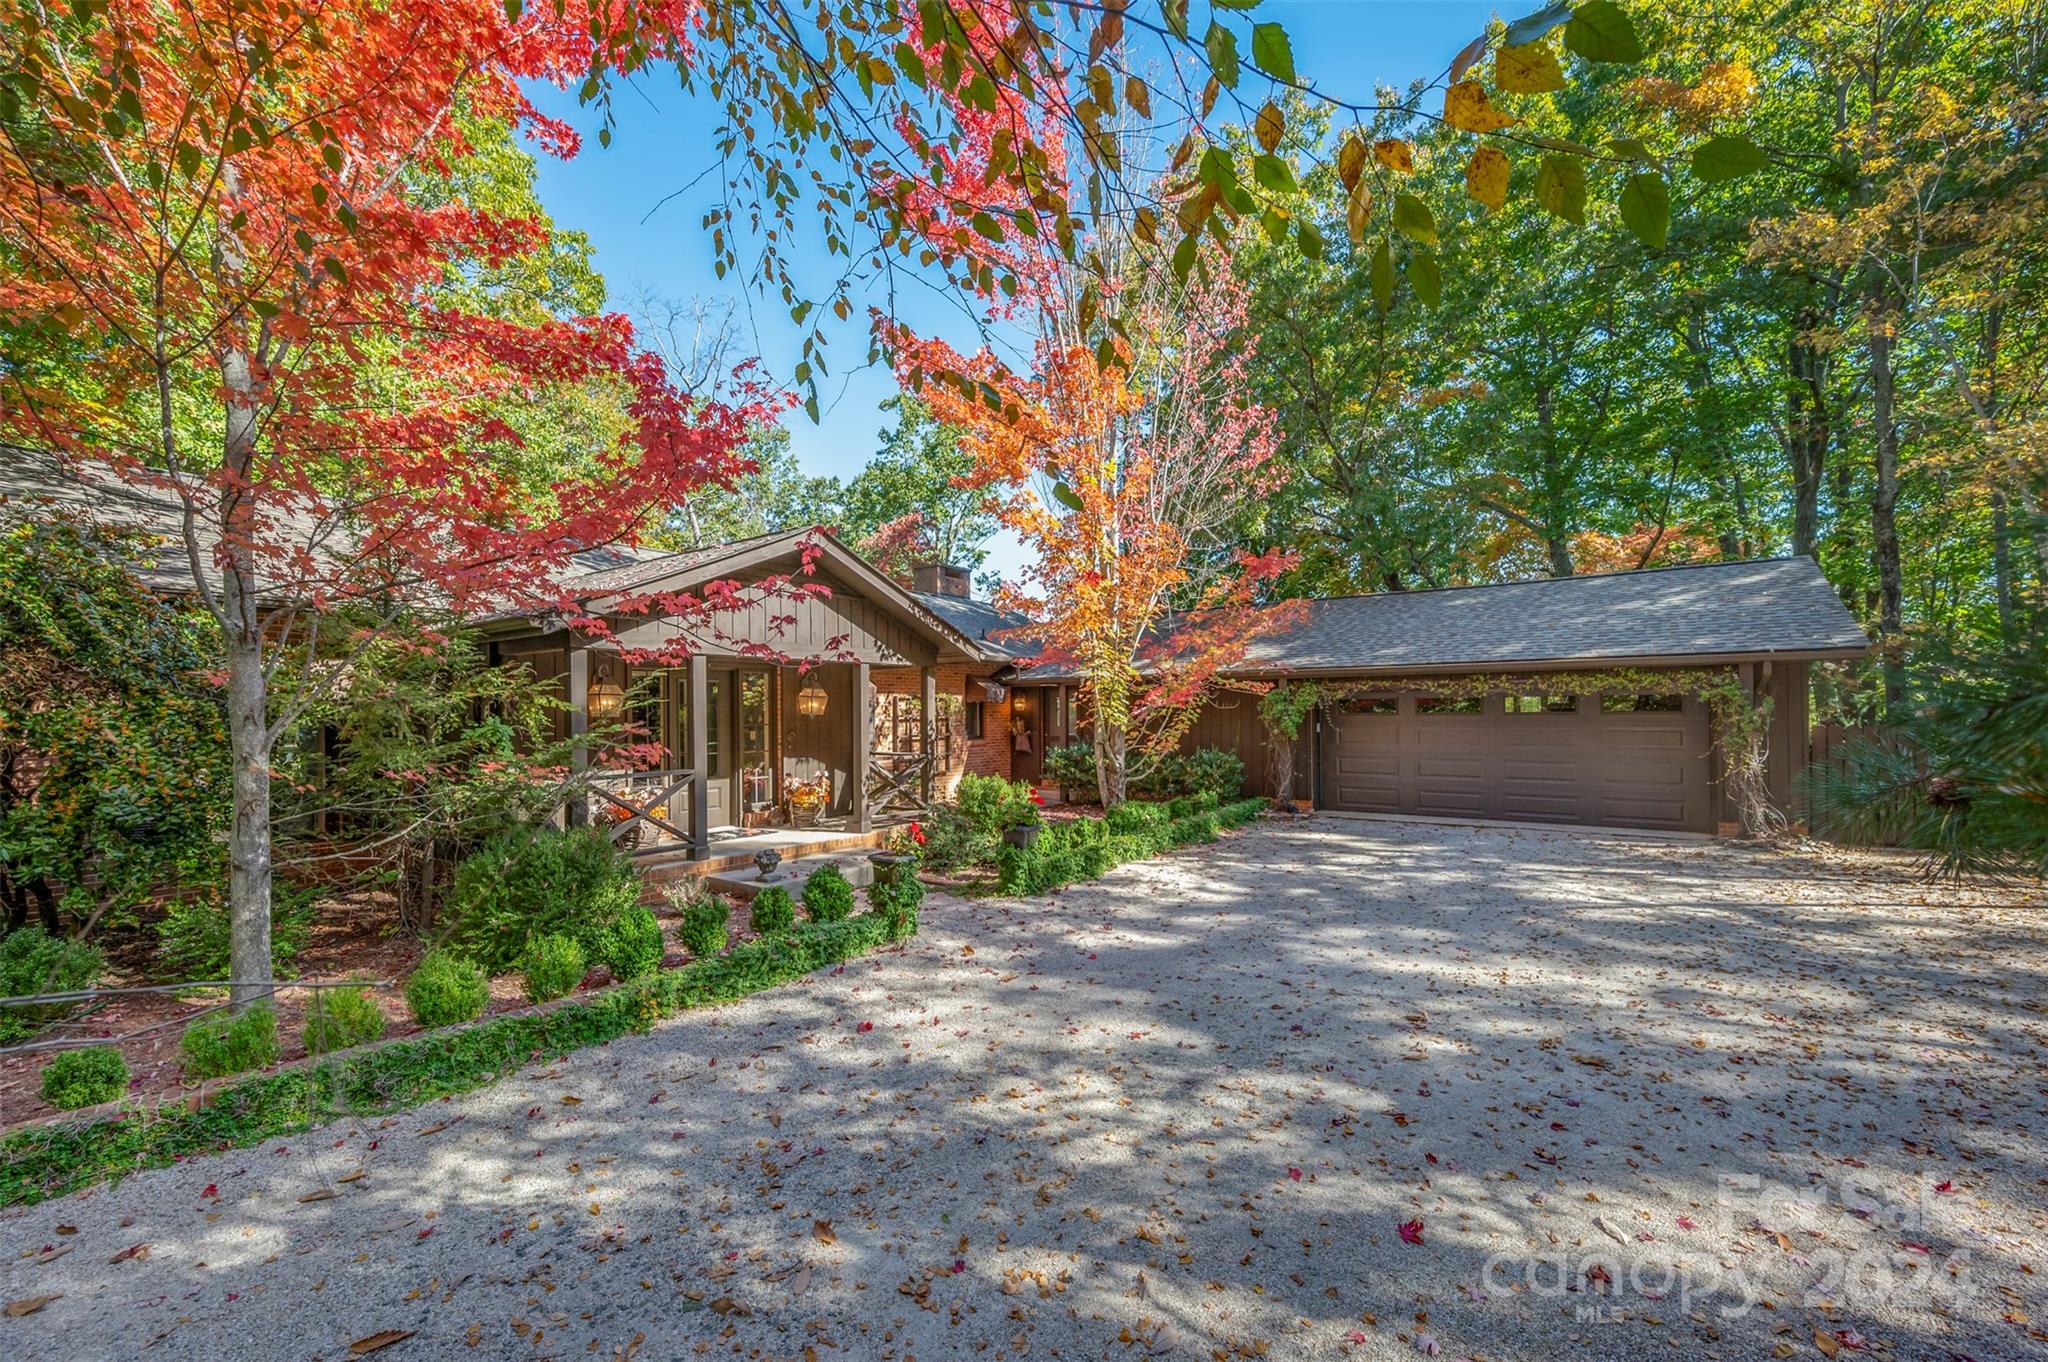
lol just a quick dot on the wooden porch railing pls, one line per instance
(634, 798)
(897, 782)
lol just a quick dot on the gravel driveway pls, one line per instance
(1327, 1089)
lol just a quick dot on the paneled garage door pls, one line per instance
(1615, 761)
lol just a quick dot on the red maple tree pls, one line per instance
(240, 233)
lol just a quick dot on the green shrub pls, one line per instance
(1207, 770)
(193, 941)
(633, 946)
(42, 1161)
(33, 961)
(828, 896)
(993, 804)
(896, 904)
(1084, 848)
(85, 1078)
(953, 842)
(1072, 768)
(554, 965)
(703, 928)
(337, 1018)
(534, 882)
(230, 1043)
(773, 911)
(445, 989)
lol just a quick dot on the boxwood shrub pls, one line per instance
(553, 966)
(772, 911)
(703, 927)
(445, 989)
(229, 1043)
(828, 896)
(632, 945)
(535, 881)
(85, 1078)
(337, 1018)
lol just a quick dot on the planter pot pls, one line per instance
(1023, 838)
(890, 866)
(1304, 806)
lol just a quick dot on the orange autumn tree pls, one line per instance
(1126, 462)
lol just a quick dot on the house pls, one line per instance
(1578, 717)
(871, 696)
(1556, 700)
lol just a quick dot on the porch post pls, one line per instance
(579, 727)
(700, 757)
(863, 739)
(928, 713)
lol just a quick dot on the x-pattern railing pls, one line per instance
(896, 782)
(635, 782)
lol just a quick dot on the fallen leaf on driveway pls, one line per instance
(52, 1255)
(132, 1251)
(29, 1305)
(1411, 1231)
(324, 1194)
(383, 1338)
(821, 1230)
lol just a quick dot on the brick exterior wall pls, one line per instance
(988, 755)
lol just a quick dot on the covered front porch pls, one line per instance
(754, 756)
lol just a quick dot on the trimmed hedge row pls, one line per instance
(1084, 848)
(46, 1161)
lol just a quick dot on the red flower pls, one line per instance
(917, 834)
(1038, 799)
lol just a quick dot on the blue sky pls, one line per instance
(663, 142)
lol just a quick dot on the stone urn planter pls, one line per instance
(766, 860)
(1023, 837)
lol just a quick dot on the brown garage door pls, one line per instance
(1615, 761)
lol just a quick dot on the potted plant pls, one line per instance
(807, 801)
(1023, 819)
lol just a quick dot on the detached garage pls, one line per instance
(1563, 700)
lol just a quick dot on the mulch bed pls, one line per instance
(351, 937)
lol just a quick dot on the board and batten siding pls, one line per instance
(840, 627)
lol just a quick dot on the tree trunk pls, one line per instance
(1884, 496)
(1806, 435)
(1281, 766)
(248, 698)
(2001, 567)
(1110, 742)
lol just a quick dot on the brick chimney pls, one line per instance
(941, 579)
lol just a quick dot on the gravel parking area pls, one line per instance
(1329, 1088)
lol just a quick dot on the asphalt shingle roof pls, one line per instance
(1774, 605)
(979, 620)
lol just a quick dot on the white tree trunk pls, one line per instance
(249, 863)
(1110, 771)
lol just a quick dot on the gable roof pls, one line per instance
(1698, 613)
(1755, 608)
(617, 573)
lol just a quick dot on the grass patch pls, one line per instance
(50, 1160)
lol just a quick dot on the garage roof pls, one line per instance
(1758, 608)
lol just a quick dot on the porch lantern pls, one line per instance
(810, 700)
(607, 701)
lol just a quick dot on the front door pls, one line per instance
(1027, 734)
(754, 767)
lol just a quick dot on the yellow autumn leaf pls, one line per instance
(1486, 177)
(1351, 161)
(1530, 69)
(1395, 154)
(1467, 108)
(1358, 213)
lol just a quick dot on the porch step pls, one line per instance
(738, 854)
(744, 884)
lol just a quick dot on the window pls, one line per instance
(1543, 704)
(899, 727)
(1448, 704)
(1371, 704)
(977, 716)
(1641, 704)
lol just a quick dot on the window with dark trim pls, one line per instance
(1642, 704)
(1542, 704)
(977, 716)
(1449, 704)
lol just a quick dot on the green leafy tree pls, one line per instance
(113, 758)
(919, 470)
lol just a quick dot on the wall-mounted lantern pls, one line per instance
(810, 700)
